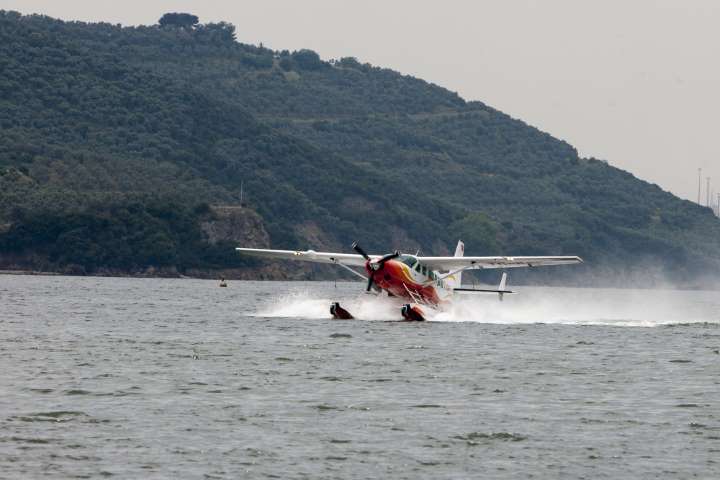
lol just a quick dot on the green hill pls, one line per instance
(115, 141)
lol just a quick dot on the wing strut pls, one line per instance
(349, 269)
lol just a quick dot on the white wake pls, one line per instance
(309, 305)
(636, 308)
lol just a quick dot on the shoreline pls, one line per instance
(30, 272)
(102, 275)
(273, 278)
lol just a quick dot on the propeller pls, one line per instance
(387, 257)
(359, 249)
(374, 266)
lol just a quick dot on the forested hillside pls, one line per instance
(115, 141)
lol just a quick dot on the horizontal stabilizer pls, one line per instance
(480, 290)
(501, 290)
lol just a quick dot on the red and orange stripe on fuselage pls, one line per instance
(397, 278)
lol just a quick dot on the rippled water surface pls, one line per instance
(148, 378)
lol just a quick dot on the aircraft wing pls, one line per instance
(349, 259)
(478, 263)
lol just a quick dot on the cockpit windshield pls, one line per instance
(408, 260)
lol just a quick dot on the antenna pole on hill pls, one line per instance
(699, 183)
(708, 191)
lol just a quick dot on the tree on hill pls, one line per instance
(307, 60)
(222, 32)
(349, 62)
(180, 20)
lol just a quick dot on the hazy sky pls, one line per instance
(634, 82)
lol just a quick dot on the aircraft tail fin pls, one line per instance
(460, 249)
(455, 281)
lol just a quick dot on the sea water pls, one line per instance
(159, 378)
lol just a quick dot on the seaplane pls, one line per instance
(422, 284)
